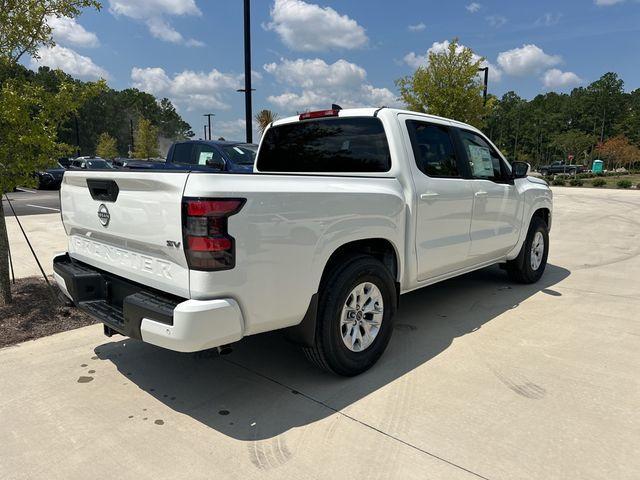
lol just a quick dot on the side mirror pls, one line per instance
(216, 163)
(519, 169)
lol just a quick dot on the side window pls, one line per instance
(433, 149)
(183, 153)
(204, 153)
(484, 161)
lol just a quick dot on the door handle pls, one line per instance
(481, 194)
(428, 195)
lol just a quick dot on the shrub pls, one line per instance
(624, 184)
(558, 182)
(576, 182)
(599, 182)
(585, 175)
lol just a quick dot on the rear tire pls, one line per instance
(350, 340)
(530, 263)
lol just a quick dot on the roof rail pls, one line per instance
(375, 114)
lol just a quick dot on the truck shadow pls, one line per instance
(263, 385)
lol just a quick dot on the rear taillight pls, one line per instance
(207, 243)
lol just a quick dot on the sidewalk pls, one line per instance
(47, 237)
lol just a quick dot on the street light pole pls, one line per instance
(208, 115)
(247, 71)
(486, 83)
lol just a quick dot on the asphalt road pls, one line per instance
(32, 202)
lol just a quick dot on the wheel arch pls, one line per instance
(381, 248)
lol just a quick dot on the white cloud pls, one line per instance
(66, 30)
(314, 84)
(309, 27)
(526, 60)
(555, 78)
(606, 3)
(142, 9)
(496, 21)
(418, 27)
(549, 19)
(229, 129)
(153, 13)
(314, 73)
(193, 90)
(473, 7)
(414, 60)
(69, 61)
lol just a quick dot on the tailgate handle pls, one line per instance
(103, 190)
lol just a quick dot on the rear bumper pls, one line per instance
(148, 315)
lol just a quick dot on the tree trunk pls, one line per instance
(5, 285)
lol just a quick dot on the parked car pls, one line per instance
(346, 210)
(562, 167)
(51, 178)
(90, 163)
(205, 155)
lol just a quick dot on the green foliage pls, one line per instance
(599, 182)
(558, 181)
(448, 86)
(109, 111)
(107, 146)
(576, 182)
(535, 129)
(624, 184)
(29, 120)
(146, 143)
(24, 27)
(574, 142)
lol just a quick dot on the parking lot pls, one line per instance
(482, 379)
(27, 201)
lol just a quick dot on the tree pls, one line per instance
(107, 146)
(619, 152)
(264, 118)
(448, 86)
(29, 119)
(171, 124)
(574, 142)
(146, 143)
(31, 114)
(24, 26)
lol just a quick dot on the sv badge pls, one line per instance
(171, 243)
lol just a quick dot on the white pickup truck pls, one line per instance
(346, 210)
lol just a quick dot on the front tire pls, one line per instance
(355, 314)
(530, 263)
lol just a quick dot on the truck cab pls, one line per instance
(206, 155)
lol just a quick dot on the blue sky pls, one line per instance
(307, 54)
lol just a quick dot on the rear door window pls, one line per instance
(350, 144)
(183, 154)
(433, 149)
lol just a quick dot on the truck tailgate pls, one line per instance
(128, 223)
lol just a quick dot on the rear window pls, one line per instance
(352, 144)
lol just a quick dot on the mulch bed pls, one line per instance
(35, 313)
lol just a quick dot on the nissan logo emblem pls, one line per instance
(103, 215)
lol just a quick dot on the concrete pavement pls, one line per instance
(482, 379)
(46, 234)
